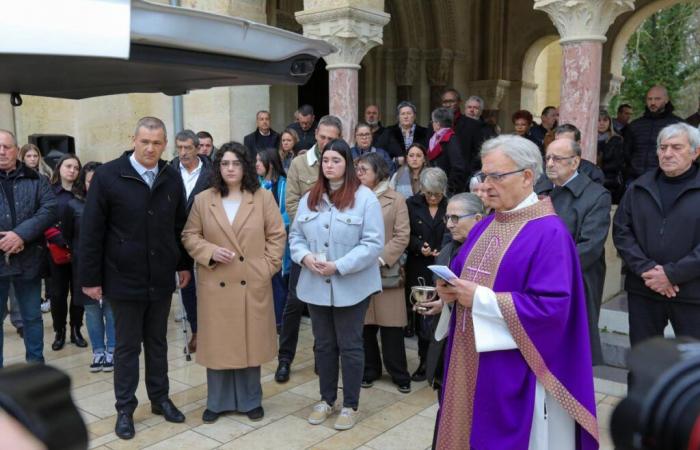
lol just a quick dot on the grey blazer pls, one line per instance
(352, 238)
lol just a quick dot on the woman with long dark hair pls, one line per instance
(99, 319)
(337, 237)
(65, 187)
(271, 176)
(236, 236)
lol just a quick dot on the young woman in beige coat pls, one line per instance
(387, 310)
(236, 236)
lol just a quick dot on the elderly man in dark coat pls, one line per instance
(584, 206)
(656, 232)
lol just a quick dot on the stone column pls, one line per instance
(582, 25)
(438, 68)
(406, 65)
(353, 27)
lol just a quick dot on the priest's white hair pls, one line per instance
(523, 152)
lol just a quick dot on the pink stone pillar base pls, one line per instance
(580, 91)
(342, 89)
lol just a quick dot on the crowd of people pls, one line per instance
(255, 235)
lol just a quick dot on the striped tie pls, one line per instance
(149, 177)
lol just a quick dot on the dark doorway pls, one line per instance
(315, 91)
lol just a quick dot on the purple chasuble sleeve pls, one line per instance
(540, 293)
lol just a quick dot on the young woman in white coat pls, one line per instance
(337, 238)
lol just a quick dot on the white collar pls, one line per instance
(197, 169)
(569, 180)
(311, 156)
(140, 169)
(529, 201)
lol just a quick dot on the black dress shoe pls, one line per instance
(168, 410)
(282, 372)
(209, 416)
(77, 338)
(124, 428)
(256, 414)
(20, 331)
(60, 340)
(419, 374)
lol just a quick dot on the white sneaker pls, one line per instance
(108, 362)
(46, 306)
(346, 419)
(97, 361)
(321, 412)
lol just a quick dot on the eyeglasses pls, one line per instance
(361, 169)
(234, 164)
(495, 177)
(558, 159)
(454, 218)
(433, 194)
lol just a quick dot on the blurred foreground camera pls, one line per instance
(38, 398)
(662, 408)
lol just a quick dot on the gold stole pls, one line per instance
(481, 267)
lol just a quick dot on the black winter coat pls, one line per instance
(452, 162)
(35, 211)
(584, 206)
(470, 135)
(130, 235)
(70, 229)
(645, 236)
(254, 146)
(611, 159)
(396, 144)
(424, 228)
(640, 141)
(307, 139)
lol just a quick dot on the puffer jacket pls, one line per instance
(640, 141)
(35, 211)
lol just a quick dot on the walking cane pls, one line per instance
(188, 357)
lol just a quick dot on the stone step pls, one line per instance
(615, 347)
(610, 380)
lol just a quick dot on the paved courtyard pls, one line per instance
(389, 420)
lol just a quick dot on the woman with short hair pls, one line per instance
(337, 237)
(406, 131)
(386, 313)
(235, 234)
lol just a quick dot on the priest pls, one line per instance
(518, 371)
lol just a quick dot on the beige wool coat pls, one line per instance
(388, 309)
(235, 311)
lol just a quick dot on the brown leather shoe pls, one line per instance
(193, 343)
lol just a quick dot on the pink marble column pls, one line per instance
(342, 89)
(580, 91)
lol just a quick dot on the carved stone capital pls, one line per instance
(406, 65)
(492, 91)
(438, 66)
(353, 30)
(583, 20)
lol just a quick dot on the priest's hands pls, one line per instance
(656, 280)
(461, 291)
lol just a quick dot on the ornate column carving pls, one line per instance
(438, 68)
(406, 66)
(582, 25)
(353, 28)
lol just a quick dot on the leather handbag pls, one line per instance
(391, 275)
(59, 254)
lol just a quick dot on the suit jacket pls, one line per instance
(234, 301)
(396, 144)
(470, 135)
(584, 206)
(253, 144)
(203, 182)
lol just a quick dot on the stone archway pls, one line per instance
(528, 92)
(613, 79)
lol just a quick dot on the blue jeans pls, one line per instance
(28, 293)
(100, 325)
(15, 316)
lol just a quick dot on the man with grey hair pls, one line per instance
(656, 232)
(584, 206)
(474, 109)
(520, 334)
(301, 176)
(263, 137)
(130, 252)
(196, 171)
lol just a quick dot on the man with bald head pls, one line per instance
(584, 206)
(374, 120)
(640, 135)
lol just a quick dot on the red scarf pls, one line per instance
(440, 136)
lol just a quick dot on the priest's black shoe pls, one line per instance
(77, 338)
(168, 410)
(419, 374)
(124, 428)
(60, 340)
(256, 414)
(209, 416)
(282, 372)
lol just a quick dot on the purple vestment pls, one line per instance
(538, 283)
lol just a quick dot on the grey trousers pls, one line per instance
(234, 389)
(338, 335)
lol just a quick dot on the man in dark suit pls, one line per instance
(195, 171)
(263, 137)
(130, 251)
(584, 206)
(468, 130)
